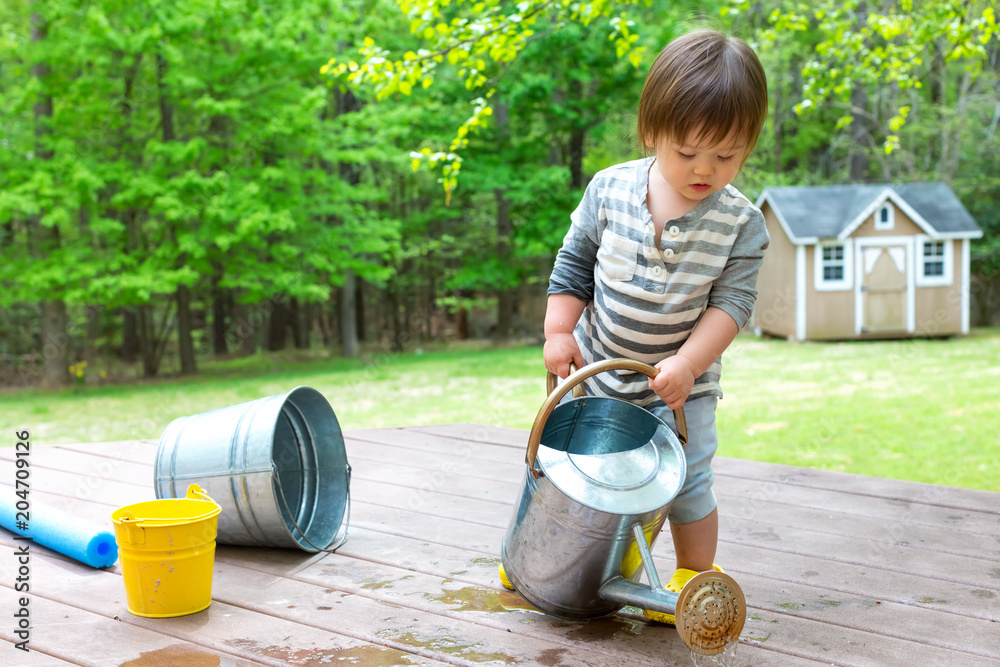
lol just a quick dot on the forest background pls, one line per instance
(197, 178)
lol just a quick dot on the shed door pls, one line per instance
(883, 289)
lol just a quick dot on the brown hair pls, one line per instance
(704, 81)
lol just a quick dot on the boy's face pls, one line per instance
(697, 167)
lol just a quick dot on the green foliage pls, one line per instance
(887, 45)
(275, 180)
(246, 189)
(474, 40)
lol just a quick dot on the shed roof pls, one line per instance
(810, 213)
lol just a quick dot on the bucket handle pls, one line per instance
(341, 535)
(195, 492)
(556, 394)
(134, 533)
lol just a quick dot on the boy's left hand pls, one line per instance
(674, 381)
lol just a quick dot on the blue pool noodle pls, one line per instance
(60, 531)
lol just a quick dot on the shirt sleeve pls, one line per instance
(573, 272)
(735, 290)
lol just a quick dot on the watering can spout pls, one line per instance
(625, 592)
(710, 610)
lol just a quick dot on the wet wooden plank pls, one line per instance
(470, 432)
(429, 498)
(862, 485)
(859, 485)
(846, 545)
(477, 610)
(15, 657)
(890, 511)
(828, 579)
(430, 444)
(903, 519)
(88, 466)
(136, 451)
(223, 628)
(85, 638)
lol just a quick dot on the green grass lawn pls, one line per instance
(924, 410)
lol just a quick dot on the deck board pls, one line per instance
(837, 569)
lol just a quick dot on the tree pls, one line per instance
(476, 38)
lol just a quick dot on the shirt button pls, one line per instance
(657, 271)
(675, 230)
(668, 253)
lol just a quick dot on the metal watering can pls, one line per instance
(600, 477)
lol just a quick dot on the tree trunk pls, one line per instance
(147, 340)
(778, 124)
(462, 323)
(859, 131)
(220, 314)
(577, 136)
(55, 341)
(244, 330)
(950, 160)
(859, 124)
(359, 307)
(277, 337)
(185, 341)
(349, 346)
(505, 301)
(130, 335)
(300, 324)
(505, 297)
(55, 345)
(166, 108)
(90, 350)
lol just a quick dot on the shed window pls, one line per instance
(884, 218)
(933, 259)
(833, 263)
(935, 263)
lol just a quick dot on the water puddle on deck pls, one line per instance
(475, 598)
(442, 643)
(367, 655)
(727, 658)
(180, 654)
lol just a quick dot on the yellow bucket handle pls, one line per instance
(134, 532)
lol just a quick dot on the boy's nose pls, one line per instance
(703, 169)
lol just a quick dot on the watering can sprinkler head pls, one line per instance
(710, 612)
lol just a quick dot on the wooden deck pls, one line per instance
(837, 569)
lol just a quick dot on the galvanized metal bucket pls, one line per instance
(276, 466)
(600, 478)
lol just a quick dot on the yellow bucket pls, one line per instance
(167, 553)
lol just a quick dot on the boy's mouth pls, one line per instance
(700, 187)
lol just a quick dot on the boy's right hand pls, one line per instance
(560, 351)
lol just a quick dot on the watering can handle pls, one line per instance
(556, 394)
(552, 381)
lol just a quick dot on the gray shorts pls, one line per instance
(696, 499)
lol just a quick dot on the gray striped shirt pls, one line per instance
(643, 301)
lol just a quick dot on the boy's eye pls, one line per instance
(725, 158)
(685, 156)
